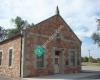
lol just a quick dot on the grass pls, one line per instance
(90, 64)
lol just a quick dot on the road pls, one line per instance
(92, 70)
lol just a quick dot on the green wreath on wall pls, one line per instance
(39, 50)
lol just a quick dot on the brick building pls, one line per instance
(61, 50)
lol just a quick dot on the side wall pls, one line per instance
(14, 69)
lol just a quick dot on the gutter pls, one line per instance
(21, 55)
(22, 52)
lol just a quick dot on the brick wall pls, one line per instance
(5, 69)
(49, 68)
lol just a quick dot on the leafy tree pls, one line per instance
(86, 59)
(98, 21)
(82, 59)
(12, 32)
(98, 60)
(3, 33)
(96, 35)
(91, 59)
(20, 24)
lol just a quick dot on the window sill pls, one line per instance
(10, 67)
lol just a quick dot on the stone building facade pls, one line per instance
(62, 50)
(13, 69)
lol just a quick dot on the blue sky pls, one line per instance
(81, 15)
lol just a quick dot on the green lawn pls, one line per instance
(90, 64)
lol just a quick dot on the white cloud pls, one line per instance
(31, 10)
(6, 23)
(81, 15)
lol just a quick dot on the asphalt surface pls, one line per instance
(91, 70)
(87, 73)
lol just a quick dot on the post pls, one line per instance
(89, 55)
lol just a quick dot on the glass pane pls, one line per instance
(0, 57)
(72, 58)
(10, 57)
(40, 61)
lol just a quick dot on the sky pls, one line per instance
(80, 15)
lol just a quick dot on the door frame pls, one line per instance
(61, 68)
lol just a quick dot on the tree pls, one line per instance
(20, 24)
(84, 59)
(96, 35)
(91, 59)
(98, 21)
(3, 34)
(98, 60)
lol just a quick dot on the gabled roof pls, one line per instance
(53, 21)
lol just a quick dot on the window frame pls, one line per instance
(1, 57)
(69, 57)
(11, 48)
(43, 65)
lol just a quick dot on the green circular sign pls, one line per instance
(39, 50)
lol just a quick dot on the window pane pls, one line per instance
(0, 57)
(10, 57)
(72, 58)
(40, 61)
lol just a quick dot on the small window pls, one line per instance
(40, 61)
(0, 57)
(72, 58)
(10, 56)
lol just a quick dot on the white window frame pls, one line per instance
(12, 56)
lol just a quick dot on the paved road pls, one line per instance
(89, 69)
(87, 73)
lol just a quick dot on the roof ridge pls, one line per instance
(46, 19)
(35, 25)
